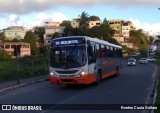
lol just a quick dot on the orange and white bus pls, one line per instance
(83, 60)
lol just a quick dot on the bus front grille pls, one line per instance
(66, 76)
(67, 72)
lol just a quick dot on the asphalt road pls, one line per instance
(133, 86)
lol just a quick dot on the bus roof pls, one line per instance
(91, 39)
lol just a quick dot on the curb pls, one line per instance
(156, 85)
(23, 84)
(152, 93)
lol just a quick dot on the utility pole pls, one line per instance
(17, 55)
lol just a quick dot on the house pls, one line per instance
(75, 22)
(94, 23)
(23, 48)
(15, 32)
(122, 31)
(50, 29)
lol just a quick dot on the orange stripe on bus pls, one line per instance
(87, 79)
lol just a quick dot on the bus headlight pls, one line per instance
(81, 74)
(53, 74)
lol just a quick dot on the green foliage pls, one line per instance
(151, 39)
(30, 38)
(16, 40)
(66, 23)
(84, 21)
(2, 37)
(39, 32)
(143, 52)
(105, 21)
(56, 35)
(95, 32)
(45, 50)
(104, 31)
(28, 66)
(139, 39)
(4, 55)
(107, 32)
(94, 18)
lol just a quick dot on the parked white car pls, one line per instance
(143, 61)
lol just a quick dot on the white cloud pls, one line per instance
(152, 28)
(29, 6)
(41, 18)
(14, 20)
(58, 17)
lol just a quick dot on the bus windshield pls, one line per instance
(68, 56)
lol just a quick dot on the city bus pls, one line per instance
(83, 60)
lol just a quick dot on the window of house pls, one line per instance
(12, 46)
(7, 46)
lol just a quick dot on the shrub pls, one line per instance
(4, 55)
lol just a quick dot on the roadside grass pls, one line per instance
(7, 70)
(28, 66)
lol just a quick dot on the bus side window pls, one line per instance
(120, 52)
(97, 51)
(111, 51)
(115, 52)
(107, 51)
(102, 51)
(91, 53)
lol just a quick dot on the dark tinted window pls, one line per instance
(103, 51)
(97, 51)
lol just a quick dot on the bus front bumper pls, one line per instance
(87, 79)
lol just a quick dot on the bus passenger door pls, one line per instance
(91, 59)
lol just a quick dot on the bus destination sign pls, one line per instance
(68, 41)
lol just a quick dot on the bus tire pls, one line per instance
(98, 78)
(117, 71)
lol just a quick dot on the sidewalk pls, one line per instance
(13, 84)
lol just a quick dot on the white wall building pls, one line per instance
(50, 29)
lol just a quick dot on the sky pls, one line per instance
(144, 14)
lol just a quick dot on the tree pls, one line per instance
(56, 35)
(105, 21)
(139, 39)
(4, 55)
(39, 32)
(95, 32)
(151, 39)
(66, 23)
(107, 31)
(68, 31)
(30, 38)
(94, 18)
(2, 37)
(84, 21)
